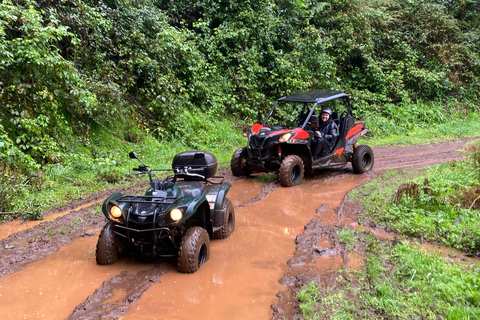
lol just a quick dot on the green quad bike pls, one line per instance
(175, 218)
(282, 142)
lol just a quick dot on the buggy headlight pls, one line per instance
(285, 137)
(115, 212)
(176, 214)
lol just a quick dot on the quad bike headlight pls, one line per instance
(176, 214)
(115, 212)
(285, 137)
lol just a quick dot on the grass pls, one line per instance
(346, 238)
(400, 281)
(438, 204)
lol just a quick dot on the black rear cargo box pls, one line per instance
(199, 162)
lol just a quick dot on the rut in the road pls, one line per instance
(103, 304)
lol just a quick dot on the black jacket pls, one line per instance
(329, 132)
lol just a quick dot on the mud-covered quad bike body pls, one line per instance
(175, 218)
(283, 141)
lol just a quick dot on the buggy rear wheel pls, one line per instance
(227, 214)
(194, 250)
(108, 245)
(362, 160)
(238, 163)
(291, 171)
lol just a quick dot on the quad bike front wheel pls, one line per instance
(362, 160)
(291, 171)
(194, 250)
(227, 214)
(238, 163)
(108, 245)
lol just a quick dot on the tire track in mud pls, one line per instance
(24, 247)
(116, 295)
(265, 191)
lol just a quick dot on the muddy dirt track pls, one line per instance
(284, 237)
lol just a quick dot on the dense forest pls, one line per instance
(82, 78)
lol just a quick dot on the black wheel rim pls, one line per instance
(295, 173)
(366, 161)
(230, 223)
(202, 254)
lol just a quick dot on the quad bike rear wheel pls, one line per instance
(238, 163)
(108, 245)
(194, 250)
(291, 171)
(227, 214)
(362, 160)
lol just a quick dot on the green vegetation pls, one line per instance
(401, 279)
(346, 238)
(439, 204)
(398, 282)
(83, 82)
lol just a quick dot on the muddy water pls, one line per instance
(8, 228)
(52, 287)
(241, 279)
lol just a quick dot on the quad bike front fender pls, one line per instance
(218, 193)
(190, 206)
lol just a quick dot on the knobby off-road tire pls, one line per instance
(227, 215)
(362, 160)
(194, 250)
(238, 163)
(291, 171)
(108, 246)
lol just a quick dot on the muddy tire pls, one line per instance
(362, 160)
(238, 163)
(227, 215)
(108, 246)
(291, 171)
(194, 250)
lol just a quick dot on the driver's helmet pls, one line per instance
(326, 110)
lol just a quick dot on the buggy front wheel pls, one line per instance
(238, 163)
(362, 160)
(291, 171)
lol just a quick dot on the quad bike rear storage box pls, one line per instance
(200, 162)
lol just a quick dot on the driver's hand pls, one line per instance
(318, 133)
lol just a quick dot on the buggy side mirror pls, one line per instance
(259, 117)
(133, 155)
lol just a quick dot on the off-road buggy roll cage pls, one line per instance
(316, 97)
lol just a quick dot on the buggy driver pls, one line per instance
(325, 134)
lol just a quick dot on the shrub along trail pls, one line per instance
(63, 249)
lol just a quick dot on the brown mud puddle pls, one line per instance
(51, 288)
